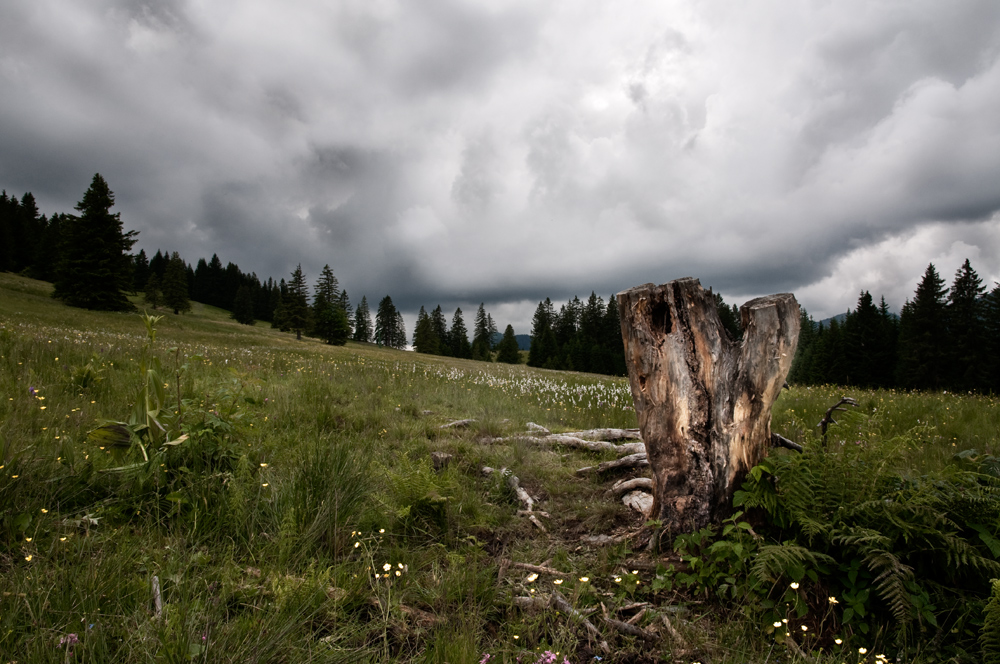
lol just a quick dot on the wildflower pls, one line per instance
(794, 585)
(486, 658)
(263, 465)
(558, 582)
(862, 651)
(777, 623)
(69, 640)
(381, 530)
(838, 641)
(398, 573)
(387, 567)
(28, 557)
(532, 577)
(833, 600)
(357, 544)
(805, 628)
(584, 579)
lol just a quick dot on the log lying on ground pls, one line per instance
(638, 460)
(606, 434)
(457, 424)
(703, 400)
(621, 487)
(575, 442)
(539, 569)
(529, 503)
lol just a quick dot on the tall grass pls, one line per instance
(306, 470)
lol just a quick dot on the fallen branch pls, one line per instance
(574, 442)
(631, 630)
(780, 441)
(631, 461)
(533, 603)
(606, 434)
(621, 487)
(157, 598)
(457, 424)
(674, 634)
(559, 602)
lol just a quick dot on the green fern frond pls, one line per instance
(989, 637)
(775, 561)
(891, 582)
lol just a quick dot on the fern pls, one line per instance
(786, 560)
(989, 637)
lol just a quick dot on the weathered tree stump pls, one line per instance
(703, 400)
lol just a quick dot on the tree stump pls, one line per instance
(703, 399)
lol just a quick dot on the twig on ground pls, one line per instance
(559, 602)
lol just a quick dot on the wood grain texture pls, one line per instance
(703, 400)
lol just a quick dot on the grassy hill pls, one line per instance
(284, 497)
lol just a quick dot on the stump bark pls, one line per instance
(703, 400)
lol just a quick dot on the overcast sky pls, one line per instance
(451, 152)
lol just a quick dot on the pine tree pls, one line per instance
(140, 271)
(362, 322)
(482, 343)
(862, 339)
(543, 341)
(966, 334)
(386, 321)
(922, 360)
(613, 338)
(94, 270)
(345, 304)
(297, 303)
(729, 316)
(458, 335)
(440, 326)
(329, 319)
(507, 350)
(279, 320)
(243, 311)
(175, 289)
(801, 371)
(424, 338)
(992, 327)
(153, 292)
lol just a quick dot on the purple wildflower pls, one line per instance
(69, 640)
(486, 658)
(32, 391)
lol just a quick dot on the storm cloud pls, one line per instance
(454, 152)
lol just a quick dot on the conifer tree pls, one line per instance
(153, 293)
(440, 326)
(280, 318)
(507, 350)
(329, 319)
(992, 327)
(140, 271)
(424, 338)
(175, 289)
(543, 341)
(94, 269)
(966, 334)
(862, 343)
(297, 303)
(482, 343)
(345, 304)
(243, 311)
(388, 329)
(363, 322)
(458, 335)
(922, 360)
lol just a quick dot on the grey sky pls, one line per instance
(454, 152)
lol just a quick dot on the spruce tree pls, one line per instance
(94, 270)
(543, 341)
(153, 292)
(922, 360)
(440, 326)
(507, 350)
(458, 334)
(992, 326)
(345, 304)
(862, 343)
(801, 371)
(386, 320)
(329, 319)
(424, 338)
(175, 288)
(140, 271)
(243, 310)
(297, 303)
(362, 322)
(482, 344)
(966, 330)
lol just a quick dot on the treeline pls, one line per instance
(579, 337)
(944, 338)
(433, 335)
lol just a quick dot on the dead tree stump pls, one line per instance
(703, 400)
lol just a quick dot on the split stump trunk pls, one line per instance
(703, 399)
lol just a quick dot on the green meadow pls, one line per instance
(188, 489)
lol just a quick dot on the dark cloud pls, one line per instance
(456, 152)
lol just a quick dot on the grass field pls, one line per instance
(283, 496)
